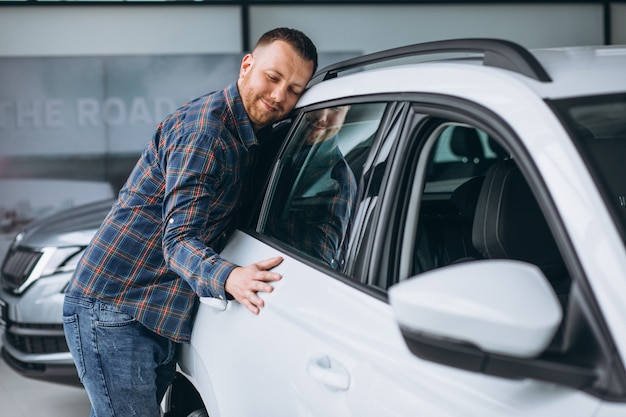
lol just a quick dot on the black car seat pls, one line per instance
(445, 230)
(509, 224)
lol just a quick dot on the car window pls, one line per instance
(598, 127)
(314, 193)
(462, 152)
(458, 213)
(443, 223)
(490, 214)
(436, 203)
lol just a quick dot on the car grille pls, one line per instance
(17, 267)
(37, 338)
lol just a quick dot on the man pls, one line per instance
(319, 189)
(133, 296)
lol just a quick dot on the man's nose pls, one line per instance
(322, 116)
(278, 94)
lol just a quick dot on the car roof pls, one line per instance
(580, 71)
(493, 65)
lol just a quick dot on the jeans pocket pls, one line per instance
(72, 336)
(110, 316)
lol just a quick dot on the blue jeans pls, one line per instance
(125, 367)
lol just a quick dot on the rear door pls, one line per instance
(314, 348)
(433, 202)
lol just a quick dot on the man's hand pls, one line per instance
(244, 283)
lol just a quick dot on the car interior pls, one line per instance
(491, 214)
(459, 160)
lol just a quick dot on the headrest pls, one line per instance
(509, 224)
(465, 143)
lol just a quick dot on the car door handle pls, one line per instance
(329, 372)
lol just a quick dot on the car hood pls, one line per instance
(73, 227)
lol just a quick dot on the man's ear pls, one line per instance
(246, 63)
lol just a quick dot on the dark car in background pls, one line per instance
(34, 274)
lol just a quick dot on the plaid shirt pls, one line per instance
(172, 217)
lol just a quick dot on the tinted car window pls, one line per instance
(482, 208)
(318, 182)
(598, 126)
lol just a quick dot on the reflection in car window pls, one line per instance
(315, 192)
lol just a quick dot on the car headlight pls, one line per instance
(62, 260)
(23, 266)
(17, 239)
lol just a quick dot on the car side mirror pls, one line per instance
(504, 307)
(490, 316)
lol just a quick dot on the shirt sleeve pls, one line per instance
(195, 219)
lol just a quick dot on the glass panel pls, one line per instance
(441, 206)
(318, 183)
(461, 152)
(598, 126)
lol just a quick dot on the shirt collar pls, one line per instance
(239, 118)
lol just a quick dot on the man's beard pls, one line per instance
(258, 114)
(319, 136)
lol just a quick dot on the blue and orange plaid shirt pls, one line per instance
(157, 249)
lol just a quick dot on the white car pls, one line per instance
(463, 254)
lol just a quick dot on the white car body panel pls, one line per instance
(347, 358)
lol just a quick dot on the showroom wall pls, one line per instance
(618, 23)
(205, 28)
(82, 86)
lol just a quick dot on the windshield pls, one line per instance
(598, 126)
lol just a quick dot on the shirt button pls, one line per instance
(171, 221)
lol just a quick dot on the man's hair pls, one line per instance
(297, 39)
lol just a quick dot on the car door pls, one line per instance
(302, 355)
(441, 239)
(312, 351)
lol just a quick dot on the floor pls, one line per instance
(24, 397)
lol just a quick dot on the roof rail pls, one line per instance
(496, 53)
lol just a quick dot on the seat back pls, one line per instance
(444, 235)
(509, 223)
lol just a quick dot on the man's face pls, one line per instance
(325, 123)
(271, 80)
